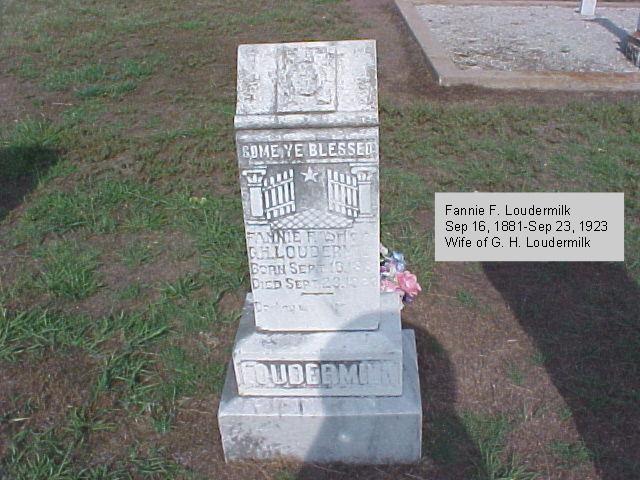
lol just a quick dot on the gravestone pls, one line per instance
(321, 369)
(588, 7)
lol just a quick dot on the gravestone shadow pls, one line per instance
(585, 321)
(20, 169)
(621, 33)
(447, 450)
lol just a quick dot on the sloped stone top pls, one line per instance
(307, 84)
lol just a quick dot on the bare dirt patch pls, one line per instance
(151, 276)
(38, 393)
(12, 107)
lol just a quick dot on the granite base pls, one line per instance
(356, 430)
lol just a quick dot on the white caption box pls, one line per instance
(529, 227)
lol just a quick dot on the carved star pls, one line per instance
(310, 175)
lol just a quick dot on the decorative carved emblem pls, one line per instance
(310, 175)
(306, 79)
(319, 197)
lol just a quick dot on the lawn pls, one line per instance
(123, 269)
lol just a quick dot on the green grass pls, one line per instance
(539, 358)
(62, 79)
(95, 206)
(107, 206)
(141, 68)
(37, 331)
(26, 69)
(570, 454)
(467, 299)
(136, 253)
(448, 443)
(202, 315)
(68, 270)
(182, 287)
(489, 432)
(515, 374)
(404, 196)
(145, 219)
(131, 291)
(575, 147)
(129, 370)
(477, 442)
(27, 148)
(217, 230)
(130, 136)
(49, 455)
(112, 90)
(184, 376)
(98, 80)
(285, 475)
(565, 414)
(90, 206)
(192, 25)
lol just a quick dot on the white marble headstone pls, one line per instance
(307, 145)
(321, 369)
(588, 7)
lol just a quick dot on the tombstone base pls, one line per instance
(356, 430)
(372, 357)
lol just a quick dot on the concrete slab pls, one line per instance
(448, 74)
(358, 430)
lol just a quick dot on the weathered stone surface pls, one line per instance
(310, 195)
(356, 363)
(321, 369)
(307, 84)
(367, 430)
(588, 7)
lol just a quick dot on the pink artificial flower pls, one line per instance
(408, 283)
(389, 286)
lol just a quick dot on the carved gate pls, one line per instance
(278, 194)
(342, 190)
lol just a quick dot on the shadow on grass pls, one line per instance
(446, 442)
(20, 169)
(585, 320)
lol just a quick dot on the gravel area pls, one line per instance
(532, 38)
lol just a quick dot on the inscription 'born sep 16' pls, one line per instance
(303, 260)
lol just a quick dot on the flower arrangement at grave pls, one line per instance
(394, 276)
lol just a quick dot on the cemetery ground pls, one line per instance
(122, 263)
